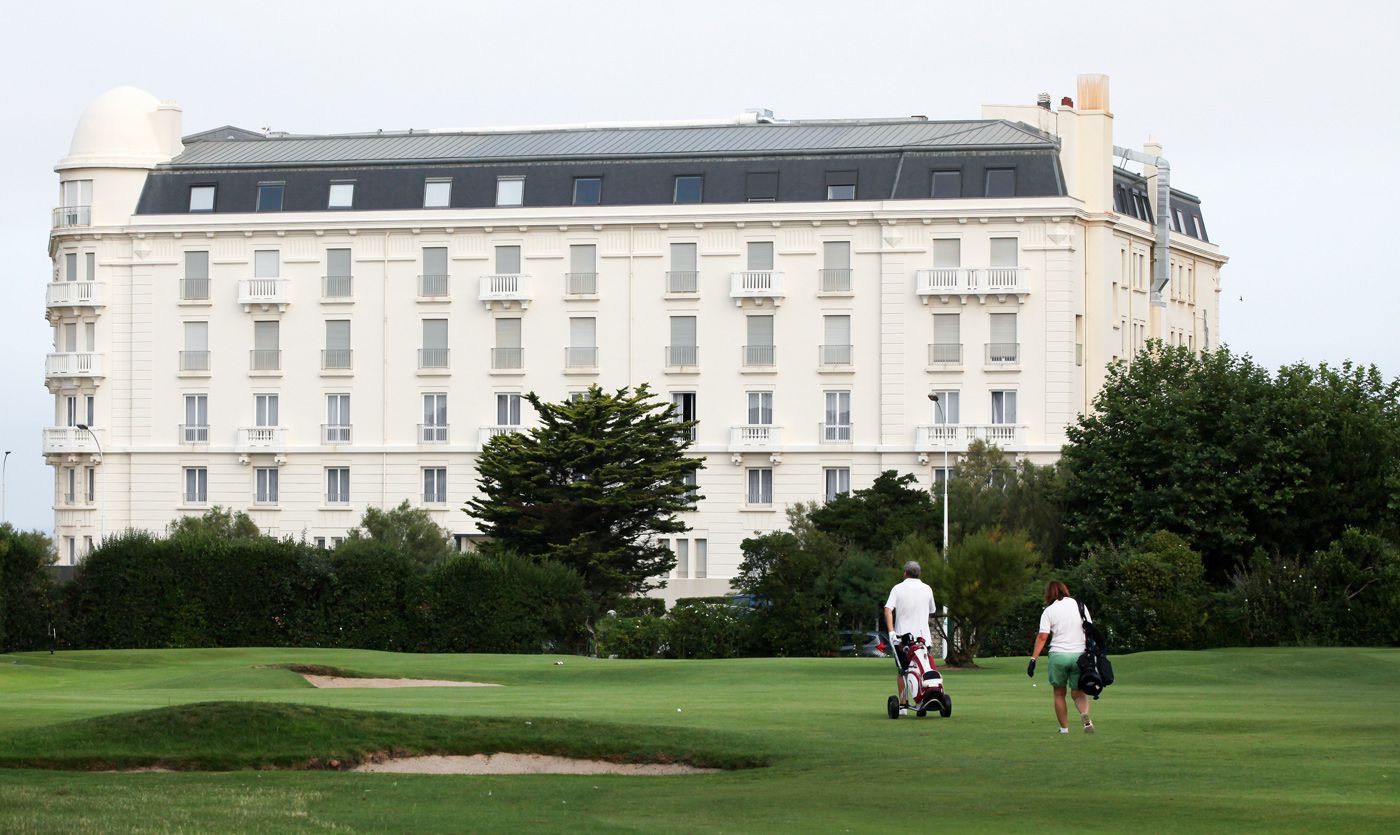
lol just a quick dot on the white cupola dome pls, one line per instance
(125, 128)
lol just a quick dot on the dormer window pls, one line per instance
(342, 196)
(270, 196)
(437, 194)
(201, 198)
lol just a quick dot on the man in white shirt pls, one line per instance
(907, 611)
(1062, 626)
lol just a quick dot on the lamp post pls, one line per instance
(939, 406)
(4, 472)
(101, 506)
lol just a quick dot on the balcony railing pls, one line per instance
(432, 286)
(1003, 353)
(682, 281)
(63, 440)
(834, 354)
(678, 356)
(755, 284)
(261, 438)
(265, 359)
(953, 435)
(432, 433)
(504, 287)
(335, 433)
(264, 292)
(194, 289)
(432, 357)
(759, 356)
(66, 216)
(581, 284)
(834, 433)
(972, 281)
(337, 286)
(945, 353)
(336, 358)
(74, 364)
(76, 294)
(836, 281)
(489, 432)
(194, 433)
(506, 359)
(581, 357)
(755, 436)
(194, 360)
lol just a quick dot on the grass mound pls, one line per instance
(224, 736)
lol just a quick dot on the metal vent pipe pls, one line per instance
(1161, 273)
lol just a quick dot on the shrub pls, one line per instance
(24, 589)
(1151, 596)
(631, 607)
(504, 603)
(981, 579)
(373, 599)
(643, 636)
(703, 630)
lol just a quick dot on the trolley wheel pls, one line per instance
(946, 709)
(921, 713)
(892, 707)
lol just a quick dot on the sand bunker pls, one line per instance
(520, 764)
(343, 681)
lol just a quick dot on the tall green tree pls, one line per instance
(219, 522)
(594, 486)
(982, 578)
(407, 530)
(874, 518)
(793, 575)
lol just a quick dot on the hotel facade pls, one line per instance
(303, 326)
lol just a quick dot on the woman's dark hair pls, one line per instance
(1055, 590)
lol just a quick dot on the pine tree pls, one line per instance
(594, 486)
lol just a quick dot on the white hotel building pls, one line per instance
(301, 326)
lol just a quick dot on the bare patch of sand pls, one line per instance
(520, 764)
(342, 681)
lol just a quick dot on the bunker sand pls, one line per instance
(521, 764)
(344, 681)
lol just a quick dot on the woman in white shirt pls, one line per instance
(1061, 624)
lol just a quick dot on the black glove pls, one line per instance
(1030, 669)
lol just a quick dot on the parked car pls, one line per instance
(862, 644)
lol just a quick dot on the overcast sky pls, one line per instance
(1280, 116)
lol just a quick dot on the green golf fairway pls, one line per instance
(1262, 740)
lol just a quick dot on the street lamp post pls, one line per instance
(101, 505)
(939, 406)
(4, 483)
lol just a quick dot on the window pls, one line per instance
(838, 481)
(337, 485)
(341, 196)
(70, 266)
(836, 267)
(946, 184)
(760, 486)
(1200, 226)
(761, 186)
(339, 283)
(684, 401)
(270, 196)
(265, 410)
(1001, 182)
(1003, 348)
(836, 345)
(682, 550)
(583, 343)
(434, 485)
(507, 260)
(432, 284)
(90, 480)
(682, 350)
(195, 284)
(433, 354)
(947, 339)
(337, 353)
(337, 429)
(682, 277)
(434, 428)
(76, 194)
(437, 193)
(508, 409)
(70, 486)
(947, 253)
(1004, 252)
(945, 408)
(267, 353)
(195, 429)
(195, 357)
(840, 185)
(588, 191)
(836, 424)
(702, 558)
(940, 475)
(760, 256)
(89, 266)
(265, 485)
(759, 349)
(1177, 225)
(510, 191)
(267, 263)
(760, 408)
(507, 353)
(1003, 407)
(689, 188)
(582, 279)
(196, 485)
(201, 198)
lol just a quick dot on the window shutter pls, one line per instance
(197, 264)
(946, 329)
(760, 330)
(760, 255)
(838, 330)
(266, 263)
(836, 255)
(583, 258)
(435, 333)
(338, 335)
(338, 262)
(682, 331)
(583, 332)
(507, 333)
(265, 336)
(507, 260)
(196, 336)
(1003, 328)
(683, 258)
(1004, 252)
(947, 253)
